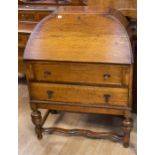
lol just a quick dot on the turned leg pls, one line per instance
(127, 126)
(36, 119)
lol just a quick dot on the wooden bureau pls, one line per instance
(81, 62)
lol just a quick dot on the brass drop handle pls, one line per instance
(50, 94)
(106, 76)
(47, 73)
(107, 97)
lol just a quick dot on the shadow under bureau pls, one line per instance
(80, 62)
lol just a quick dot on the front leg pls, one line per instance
(127, 126)
(37, 119)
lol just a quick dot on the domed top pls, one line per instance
(80, 37)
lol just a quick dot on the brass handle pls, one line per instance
(47, 73)
(106, 76)
(107, 97)
(50, 94)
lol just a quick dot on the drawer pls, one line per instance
(79, 94)
(26, 16)
(80, 73)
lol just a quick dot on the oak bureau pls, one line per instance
(81, 62)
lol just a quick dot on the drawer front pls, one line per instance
(80, 73)
(79, 94)
(26, 16)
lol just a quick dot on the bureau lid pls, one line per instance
(80, 37)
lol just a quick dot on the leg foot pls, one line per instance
(36, 119)
(127, 126)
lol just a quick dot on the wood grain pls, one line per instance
(79, 94)
(80, 108)
(25, 27)
(86, 133)
(32, 15)
(74, 31)
(52, 2)
(127, 7)
(80, 73)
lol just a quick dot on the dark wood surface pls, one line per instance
(52, 2)
(25, 27)
(36, 8)
(127, 7)
(33, 15)
(24, 31)
(132, 28)
(78, 132)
